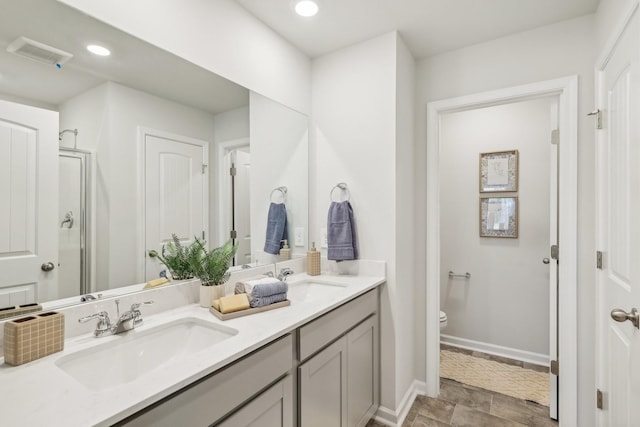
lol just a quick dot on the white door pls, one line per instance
(28, 204)
(618, 182)
(175, 193)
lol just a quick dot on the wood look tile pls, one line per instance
(422, 421)
(464, 416)
(436, 409)
(473, 398)
(500, 359)
(533, 367)
(521, 411)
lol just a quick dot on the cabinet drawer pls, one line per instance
(215, 396)
(320, 332)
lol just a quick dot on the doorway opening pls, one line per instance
(498, 210)
(565, 92)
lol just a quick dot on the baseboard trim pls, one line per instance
(393, 418)
(496, 350)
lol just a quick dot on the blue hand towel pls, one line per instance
(276, 228)
(341, 232)
(268, 289)
(271, 299)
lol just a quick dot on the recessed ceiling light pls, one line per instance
(98, 50)
(306, 8)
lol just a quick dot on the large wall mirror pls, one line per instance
(147, 145)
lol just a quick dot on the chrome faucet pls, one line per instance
(127, 321)
(286, 271)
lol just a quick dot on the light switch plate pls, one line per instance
(323, 237)
(299, 237)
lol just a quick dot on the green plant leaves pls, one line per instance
(185, 262)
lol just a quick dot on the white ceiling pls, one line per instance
(133, 63)
(427, 26)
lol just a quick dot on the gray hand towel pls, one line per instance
(276, 228)
(268, 300)
(268, 289)
(341, 232)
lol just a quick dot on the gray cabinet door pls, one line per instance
(362, 372)
(323, 387)
(272, 408)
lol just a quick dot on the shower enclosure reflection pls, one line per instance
(74, 211)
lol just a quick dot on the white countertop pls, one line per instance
(39, 393)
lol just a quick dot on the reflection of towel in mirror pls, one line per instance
(341, 232)
(276, 228)
(271, 299)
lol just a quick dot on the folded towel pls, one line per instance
(268, 289)
(247, 286)
(232, 303)
(268, 300)
(276, 228)
(244, 286)
(341, 232)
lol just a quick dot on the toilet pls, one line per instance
(443, 320)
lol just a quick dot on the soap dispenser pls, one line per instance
(285, 252)
(313, 261)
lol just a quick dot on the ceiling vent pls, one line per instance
(38, 51)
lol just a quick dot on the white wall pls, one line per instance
(280, 141)
(549, 52)
(353, 140)
(218, 35)
(608, 16)
(405, 217)
(508, 292)
(107, 119)
(230, 125)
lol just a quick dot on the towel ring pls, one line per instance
(342, 186)
(282, 190)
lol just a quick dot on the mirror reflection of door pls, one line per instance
(29, 204)
(175, 193)
(238, 219)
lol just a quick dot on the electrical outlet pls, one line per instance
(323, 237)
(299, 237)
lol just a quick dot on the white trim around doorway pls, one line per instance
(567, 91)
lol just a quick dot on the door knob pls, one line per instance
(621, 316)
(47, 266)
(545, 260)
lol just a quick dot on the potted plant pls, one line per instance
(212, 268)
(178, 258)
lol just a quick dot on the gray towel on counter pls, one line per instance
(268, 289)
(341, 232)
(268, 300)
(276, 228)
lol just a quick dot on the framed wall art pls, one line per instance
(499, 171)
(499, 217)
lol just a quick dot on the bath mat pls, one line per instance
(495, 376)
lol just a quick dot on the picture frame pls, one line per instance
(499, 216)
(499, 171)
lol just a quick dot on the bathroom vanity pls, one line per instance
(313, 363)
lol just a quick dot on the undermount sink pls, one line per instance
(129, 356)
(310, 289)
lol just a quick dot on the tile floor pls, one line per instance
(462, 405)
